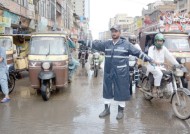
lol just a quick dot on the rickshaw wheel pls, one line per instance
(11, 83)
(45, 90)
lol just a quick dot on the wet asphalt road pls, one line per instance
(75, 110)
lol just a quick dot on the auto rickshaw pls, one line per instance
(176, 42)
(16, 51)
(48, 62)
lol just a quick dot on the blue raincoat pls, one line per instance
(3, 72)
(116, 69)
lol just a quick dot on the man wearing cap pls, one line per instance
(116, 70)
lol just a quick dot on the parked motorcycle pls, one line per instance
(180, 96)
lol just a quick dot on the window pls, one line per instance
(48, 46)
(23, 3)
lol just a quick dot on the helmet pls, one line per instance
(158, 36)
(133, 39)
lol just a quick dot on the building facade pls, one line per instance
(183, 6)
(37, 15)
(82, 9)
(15, 14)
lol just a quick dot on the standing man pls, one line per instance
(4, 75)
(116, 70)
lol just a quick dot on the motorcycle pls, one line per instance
(96, 62)
(179, 96)
(82, 58)
(133, 73)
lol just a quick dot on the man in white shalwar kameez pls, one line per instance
(159, 53)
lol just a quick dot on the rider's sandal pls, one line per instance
(4, 100)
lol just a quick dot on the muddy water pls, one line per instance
(75, 110)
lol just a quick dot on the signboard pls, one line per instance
(174, 28)
(14, 18)
(5, 22)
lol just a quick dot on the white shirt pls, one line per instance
(161, 55)
(137, 46)
(132, 58)
(115, 42)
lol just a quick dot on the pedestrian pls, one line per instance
(4, 75)
(116, 70)
(73, 63)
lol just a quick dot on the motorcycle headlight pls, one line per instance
(132, 63)
(46, 65)
(182, 60)
(96, 55)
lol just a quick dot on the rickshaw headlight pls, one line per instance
(46, 65)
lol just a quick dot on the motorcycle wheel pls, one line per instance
(146, 86)
(95, 71)
(83, 63)
(181, 109)
(11, 83)
(45, 90)
(131, 86)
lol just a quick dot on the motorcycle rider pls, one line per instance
(116, 70)
(159, 53)
(133, 40)
(4, 75)
(101, 59)
(83, 47)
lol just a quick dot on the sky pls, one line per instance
(102, 10)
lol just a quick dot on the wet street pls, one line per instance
(75, 110)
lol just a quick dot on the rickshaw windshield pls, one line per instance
(6, 43)
(174, 44)
(48, 46)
